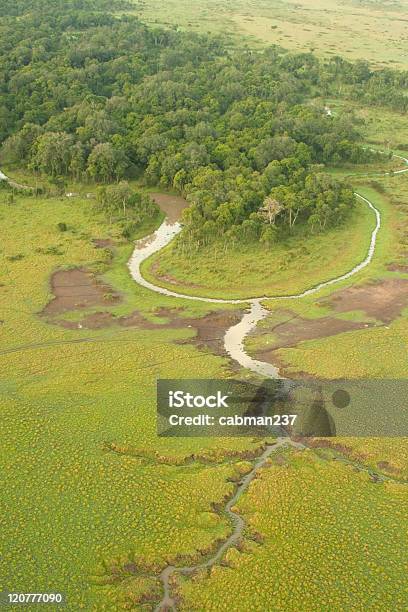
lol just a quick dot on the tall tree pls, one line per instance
(270, 210)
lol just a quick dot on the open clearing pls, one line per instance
(371, 31)
(266, 271)
(171, 205)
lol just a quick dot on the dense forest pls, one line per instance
(96, 97)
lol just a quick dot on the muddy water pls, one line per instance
(235, 336)
(150, 245)
(171, 205)
(234, 342)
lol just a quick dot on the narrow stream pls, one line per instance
(235, 336)
(234, 341)
(168, 602)
(234, 345)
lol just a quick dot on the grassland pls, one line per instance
(264, 270)
(100, 504)
(383, 128)
(78, 509)
(373, 31)
(321, 549)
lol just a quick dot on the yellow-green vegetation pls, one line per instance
(287, 267)
(71, 504)
(385, 456)
(355, 354)
(383, 127)
(332, 540)
(375, 351)
(81, 454)
(373, 31)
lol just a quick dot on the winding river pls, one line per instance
(235, 336)
(234, 345)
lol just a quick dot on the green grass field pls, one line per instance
(77, 508)
(62, 401)
(373, 31)
(320, 523)
(285, 268)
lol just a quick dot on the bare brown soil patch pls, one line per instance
(171, 205)
(102, 243)
(297, 329)
(97, 320)
(294, 330)
(211, 329)
(384, 300)
(136, 319)
(397, 267)
(166, 311)
(100, 320)
(78, 288)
